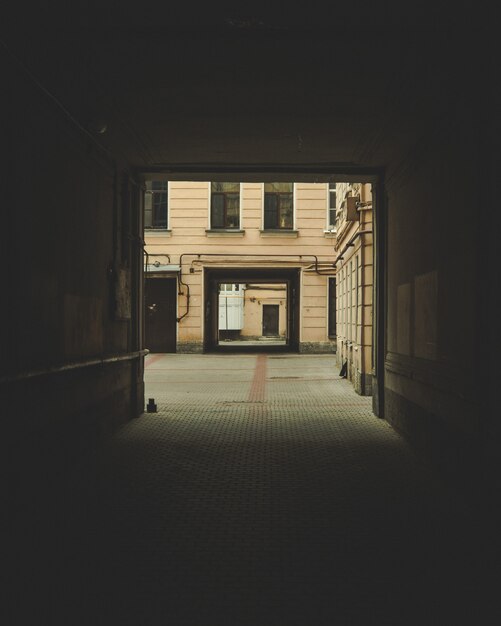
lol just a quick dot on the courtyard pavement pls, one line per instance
(264, 492)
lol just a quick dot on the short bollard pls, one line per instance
(151, 407)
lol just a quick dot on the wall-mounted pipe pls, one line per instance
(241, 255)
(180, 293)
(351, 243)
(324, 269)
(150, 254)
(233, 254)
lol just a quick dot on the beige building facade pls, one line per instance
(354, 283)
(275, 239)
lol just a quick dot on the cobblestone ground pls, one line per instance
(264, 492)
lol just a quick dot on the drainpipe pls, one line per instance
(180, 293)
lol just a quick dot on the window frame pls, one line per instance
(235, 288)
(226, 228)
(154, 227)
(279, 228)
(332, 312)
(329, 209)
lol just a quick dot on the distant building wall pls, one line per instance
(253, 309)
(354, 284)
(189, 233)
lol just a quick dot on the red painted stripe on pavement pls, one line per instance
(151, 359)
(258, 386)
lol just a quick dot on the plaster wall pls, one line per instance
(253, 310)
(190, 234)
(435, 286)
(354, 290)
(68, 223)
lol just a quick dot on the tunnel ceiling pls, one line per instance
(249, 91)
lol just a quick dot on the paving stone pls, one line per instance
(264, 492)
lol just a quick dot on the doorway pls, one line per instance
(251, 310)
(160, 314)
(270, 320)
(252, 314)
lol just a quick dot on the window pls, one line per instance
(278, 205)
(229, 287)
(332, 307)
(155, 205)
(331, 215)
(225, 205)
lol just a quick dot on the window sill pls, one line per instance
(224, 232)
(279, 232)
(330, 234)
(157, 232)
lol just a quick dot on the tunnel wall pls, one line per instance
(434, 374)
(68, 374)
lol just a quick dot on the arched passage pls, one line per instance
(377, 102)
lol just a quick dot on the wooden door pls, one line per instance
(160, 314)
(270, 320)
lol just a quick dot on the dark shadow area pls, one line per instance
(267, 521)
